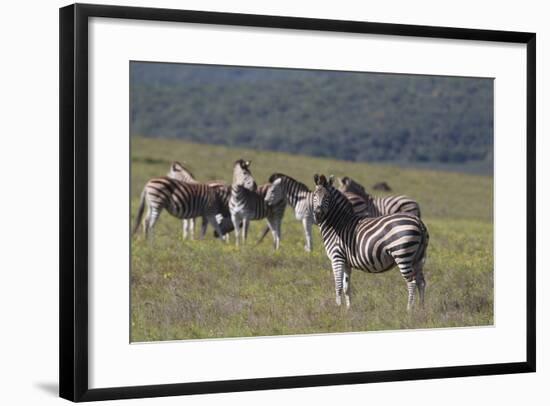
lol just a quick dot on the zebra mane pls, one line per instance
(347, 184)
(276, 176)
(183, 167)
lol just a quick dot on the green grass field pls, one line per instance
(210, 289)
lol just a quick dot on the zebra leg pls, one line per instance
(149, 222)
(236, 225)
(191, 228)
(204, 226)
(306, 222)
(246, 223)
(338, 269)
(421, 285)
(411, 287)
(184, 228)
(346, 286)
(275, 227)
(278, 231)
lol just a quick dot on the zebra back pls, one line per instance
(296, 194)
(181, 199)
(374, 206)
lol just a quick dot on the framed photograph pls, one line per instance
(257, 202)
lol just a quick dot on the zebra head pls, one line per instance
(242, 175)
(321, 197)
(274, 192)
(180, 172)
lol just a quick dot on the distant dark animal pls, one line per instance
(382, 186)
(375, 206)
(369, 244)
(180, 199)
(247, 202)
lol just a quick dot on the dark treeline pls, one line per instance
(351, 116)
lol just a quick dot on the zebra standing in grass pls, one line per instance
(247, 203)
(369, 244)
(180, 199)
(181, 173)
(298, 196)
(375, 206)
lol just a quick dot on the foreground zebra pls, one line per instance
(296, 194)
(375, 206)
(247, 203)
(369, 244)
(179, 172)
(180, 199)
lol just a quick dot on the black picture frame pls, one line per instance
(73, 278)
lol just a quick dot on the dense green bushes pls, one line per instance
(351, 116)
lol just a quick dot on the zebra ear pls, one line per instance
(247, 164)
(322, 180)
(176, 166)
(331, 180)
(316, 179)
(277, 181)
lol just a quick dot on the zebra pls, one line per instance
(180, 172)
(180, 199)
(368, 244)
(375, 206)
(247, 203)
(297, 195)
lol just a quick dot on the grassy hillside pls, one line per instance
(206, 289)
(354, 116)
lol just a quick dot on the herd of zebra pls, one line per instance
(373, 234)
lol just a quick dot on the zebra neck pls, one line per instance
(340, 213)
(237, 191)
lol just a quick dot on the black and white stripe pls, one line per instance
(298, 196)
(248, 203)
(180, 172)
(375, 206)
(180, 199)
(369, 244)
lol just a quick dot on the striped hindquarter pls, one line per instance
(180, 199)
(369, 244)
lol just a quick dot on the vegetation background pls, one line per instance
(429, 121)
(429, 137)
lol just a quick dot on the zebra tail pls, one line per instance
(140, 211)
(420, 254)
(263, 235)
